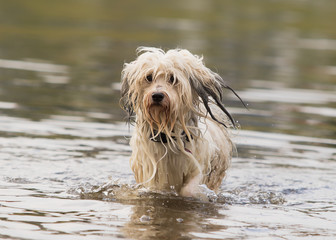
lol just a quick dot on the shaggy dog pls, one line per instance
(180, 140)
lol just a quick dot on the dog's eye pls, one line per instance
(172, 79)
(149, 78)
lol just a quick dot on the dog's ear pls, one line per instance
(126, 96)
(209, 84)
(206, 83)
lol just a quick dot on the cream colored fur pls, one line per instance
(191, 117)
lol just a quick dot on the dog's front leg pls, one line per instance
(191, 188)
(196, 190)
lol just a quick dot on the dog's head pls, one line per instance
(162, 88)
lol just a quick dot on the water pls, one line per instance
(64, 151)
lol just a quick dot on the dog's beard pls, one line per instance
(169, 117)
(160, 116)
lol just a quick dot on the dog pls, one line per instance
(181, 139)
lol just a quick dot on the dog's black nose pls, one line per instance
(157, 97)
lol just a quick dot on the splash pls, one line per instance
(241, 196)
(120, 192)
(112, 191)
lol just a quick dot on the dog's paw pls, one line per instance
(195, 190)
(207, 194)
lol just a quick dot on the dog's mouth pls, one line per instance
(157, 105)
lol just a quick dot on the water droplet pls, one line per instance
(145, 218)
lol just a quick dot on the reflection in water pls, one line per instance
(155, 215)
(154, 218)
(64, 145)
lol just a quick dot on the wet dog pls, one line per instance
(181, 139)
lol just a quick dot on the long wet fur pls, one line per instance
(191, 116)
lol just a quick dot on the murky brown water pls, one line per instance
(64, 151)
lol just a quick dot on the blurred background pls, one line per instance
(62, 57)
(63, 137)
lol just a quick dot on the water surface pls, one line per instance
(64, 171)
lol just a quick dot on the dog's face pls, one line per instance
(160, 99)
(164, 88)
(157, 88)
